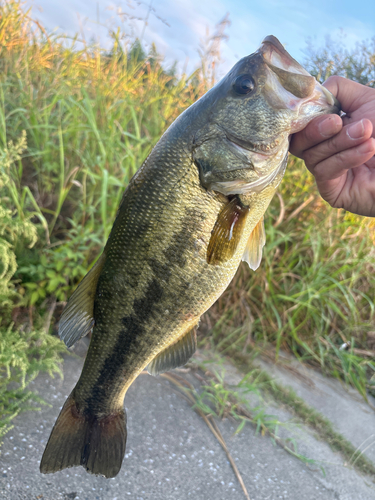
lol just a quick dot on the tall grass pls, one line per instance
(91, 117)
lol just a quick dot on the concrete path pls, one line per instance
(171, 454)
(342, 405)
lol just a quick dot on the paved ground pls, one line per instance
(343, 406)
(171, 454)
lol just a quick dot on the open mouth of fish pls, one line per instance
(306, 95)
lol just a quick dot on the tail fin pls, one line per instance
(98, 444)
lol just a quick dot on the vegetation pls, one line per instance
(335, 58)
(288, 399)
(24, 351)
(76, 122)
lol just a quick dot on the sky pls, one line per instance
(179, 26)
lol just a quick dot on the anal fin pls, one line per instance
(254, 248)
(77, 318)
(175, 355)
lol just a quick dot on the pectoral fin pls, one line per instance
(227, 232)
(254, 248)
(78, 316)
(175, 355)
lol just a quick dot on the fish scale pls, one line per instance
(189, 216)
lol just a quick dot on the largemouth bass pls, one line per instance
(189, 216)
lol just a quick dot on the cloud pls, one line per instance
(292, 21)
(188, 21)
(352, 32)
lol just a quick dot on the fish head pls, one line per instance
(242, 142)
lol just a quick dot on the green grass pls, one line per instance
(213, 397)
(24, 350)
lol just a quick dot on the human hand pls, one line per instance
(339, 152)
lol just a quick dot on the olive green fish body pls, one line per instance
(156, 280)
(187, 218)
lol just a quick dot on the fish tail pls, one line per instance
(96, 443)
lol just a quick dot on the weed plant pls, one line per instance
(90, 118)
(24, 351)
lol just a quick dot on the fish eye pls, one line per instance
(244, 84)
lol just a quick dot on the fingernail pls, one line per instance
(328, 127)
(366, 147)
(356, 131)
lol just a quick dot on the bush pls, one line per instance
(23, 351)
(23, 354)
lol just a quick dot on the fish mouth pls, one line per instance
(330, 99)
(275, 55)
(307, 96)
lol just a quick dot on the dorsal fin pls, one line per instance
(77, 318)
(227, 232)
(254, 248)
(175, 355)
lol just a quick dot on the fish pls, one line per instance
(189, 216)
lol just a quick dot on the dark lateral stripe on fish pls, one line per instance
(129, 343)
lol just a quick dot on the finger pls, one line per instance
(350, 136)
(336, 165)
(351, 95)
(317, 130)
(364, 112)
